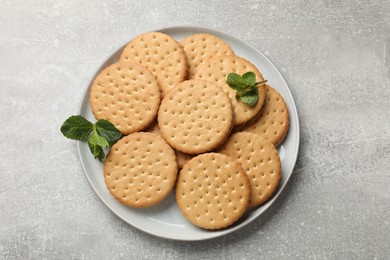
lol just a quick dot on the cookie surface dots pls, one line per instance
(160, 54)
(260, 161)
(201, 47)
(272, 122)
(127, 95)
(195, 117)
(212, 191)
(140, 170)
(217, 69)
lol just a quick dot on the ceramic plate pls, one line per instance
(165, 220)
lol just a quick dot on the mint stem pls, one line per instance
(261, 82)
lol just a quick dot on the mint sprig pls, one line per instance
(104, 133)
(245, 86)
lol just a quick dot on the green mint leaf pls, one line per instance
(104, 133)
(245, 86)
(76, 128)
(249, 78)
(96, 144)
(250, 97)
(107, 130)
(235, 81)
(96, 139)
(111, 143)
(96, 150)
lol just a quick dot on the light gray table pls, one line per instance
(335, 55)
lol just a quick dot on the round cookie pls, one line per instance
(272, 122)
(217, 69)
(260, 161)
(127, 95)
(182, 158)
(212, 191)
(195, 117)
(201, 47)
(140, 170)
(161, 54)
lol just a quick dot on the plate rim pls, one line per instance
(265, 207)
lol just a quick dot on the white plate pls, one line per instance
(165, 220)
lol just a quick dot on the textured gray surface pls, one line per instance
(335, 55)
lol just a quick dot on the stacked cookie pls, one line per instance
(177, 95)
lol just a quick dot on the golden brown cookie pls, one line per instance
(217, 69)
(195, 117)
(161, 54)
(182, 158)
(201, 47)
(272, 122)
(260, 161)
(140, 170)
(212, 191)
(127, 95)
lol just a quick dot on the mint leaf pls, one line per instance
(235, 81)
(96, 150)
(107, 130)
(245, 86)
(96, 139)
(251, 97)
(76, 128)
(104, 133)
(249, 78)
(96, 144)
